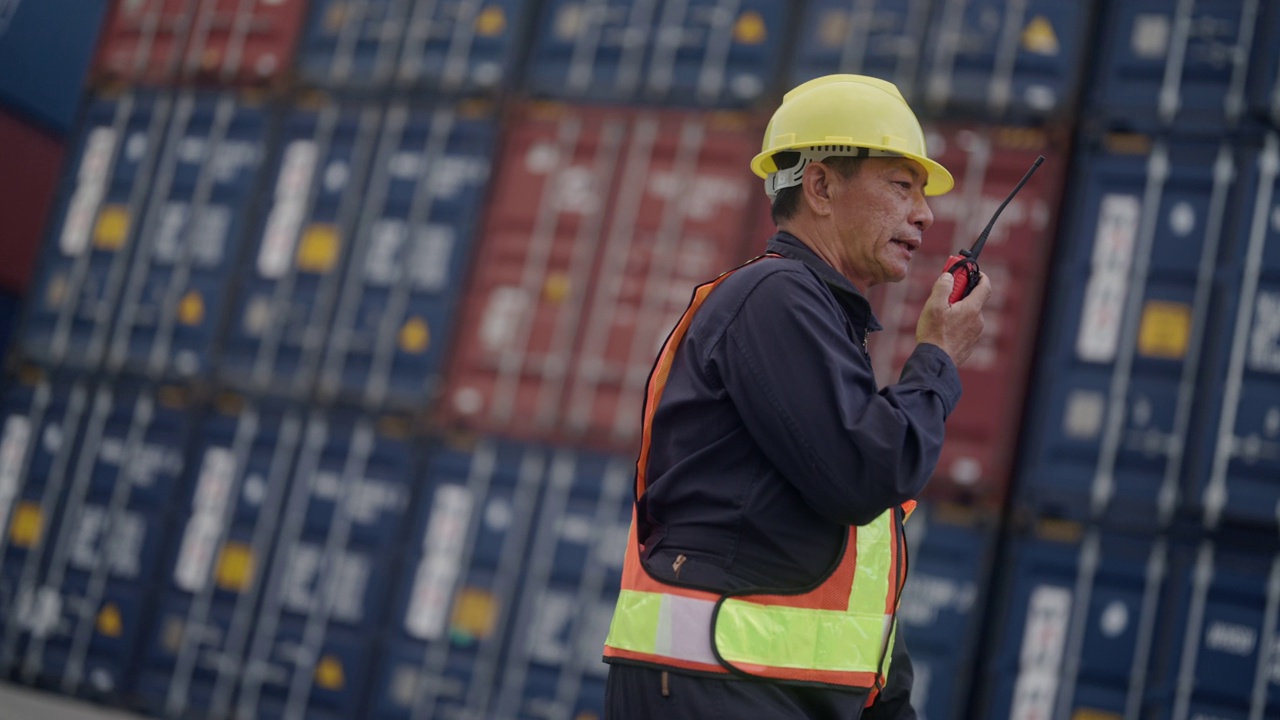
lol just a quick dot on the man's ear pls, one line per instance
(816, 183)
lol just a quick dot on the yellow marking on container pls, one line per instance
(112, 229)
(491, 22)
(191, 309)
(110, 623)
(1165, 331)
(475, 613)
(833, 28)
(556, 287)
(750, 29)
(1038, 37)
(319, 248)
(27, 525)
(329, 674)
(235, 567)
(415, 336)
(335, 17)
(1091, 714)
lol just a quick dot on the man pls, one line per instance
(766, 557)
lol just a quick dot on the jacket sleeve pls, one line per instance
(807, 394)
(894, 702)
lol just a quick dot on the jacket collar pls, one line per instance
(855, 303)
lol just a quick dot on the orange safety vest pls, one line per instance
(838, 633)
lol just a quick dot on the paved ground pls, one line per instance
(23, 703)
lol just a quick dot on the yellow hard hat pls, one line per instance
(851, 115)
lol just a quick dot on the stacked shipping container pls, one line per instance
(326, 399)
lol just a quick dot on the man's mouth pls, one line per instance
(910, 245)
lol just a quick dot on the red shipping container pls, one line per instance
(222, 42)
(982, 434)
(30, 164)
(601, 224)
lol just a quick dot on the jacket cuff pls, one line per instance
(931, 366)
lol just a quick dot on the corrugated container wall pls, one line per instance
(136, 269)
(45, 50)
(32, 160)
(705, 53)
(601, 224)
(883, 39)
(976, 466)
(1136, 273)
(209, 42)
(88, 473)
(454, 46)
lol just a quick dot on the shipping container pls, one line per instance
(1236, 482)
(1224, 634)
(457, 589)
(1111, 420)
(708, 53)
(10, 311)
(290, 282)
(215, 42)
(982, 432)
(411, 250)
(456, 46)
(882, 38)
(45, 50)
(228, 515)
(940, 616)
(32, 166)
(80, 612)
(601, 224)
(331, 569)
(42, 418)
(554, 668)
(1264, 68)
(180, 269)
(1173, 65)
(1080, 628)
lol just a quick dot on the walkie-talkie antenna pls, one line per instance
(982, 239)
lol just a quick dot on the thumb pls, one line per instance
(942, 287)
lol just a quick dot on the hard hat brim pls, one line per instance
(940, 181)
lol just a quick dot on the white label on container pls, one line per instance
(1150, 38)
(347, 582)
(451, 175)
(1033, 695)
(171, 231)
(213, 488)
(429, 260)
(1117, 233)
(13, 450)
(503, 317)
(298, 590)
(371, 501)
(928, 595)
(1230, 638)
(91, 186)
(121, 550)
(209, 235)
(1084, 414)
(577, 190)
(382, 259)
(1098, 337)
(285, 220)
(443, 544)
(1264, 339)
(1045, 637)
(555, 612)
(347, 586)
(195, 555)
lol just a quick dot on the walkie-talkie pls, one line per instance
(964, 266)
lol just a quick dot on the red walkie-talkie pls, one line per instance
(964, 266)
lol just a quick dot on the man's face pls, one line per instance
(880, 215)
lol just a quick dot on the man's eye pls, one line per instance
(903, 184)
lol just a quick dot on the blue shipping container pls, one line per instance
(84, 263)
(230, 513)
(410, 256)
(45, 49)
(330, 571)
(103, 547)
(1237, 480)
(279, 325)
(941, 609)
(884, 39)
(1264, 68)
(1116, 382)
(1004, 60)
(706, 53)
(1079, 625)
(458, 585)
(1174, 65)
(189, 237)
(554, 667)
(438, 47)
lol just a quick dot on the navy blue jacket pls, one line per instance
(771, 437)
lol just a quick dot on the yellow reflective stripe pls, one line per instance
(870, 592)
(781, 636)
(668, 625)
